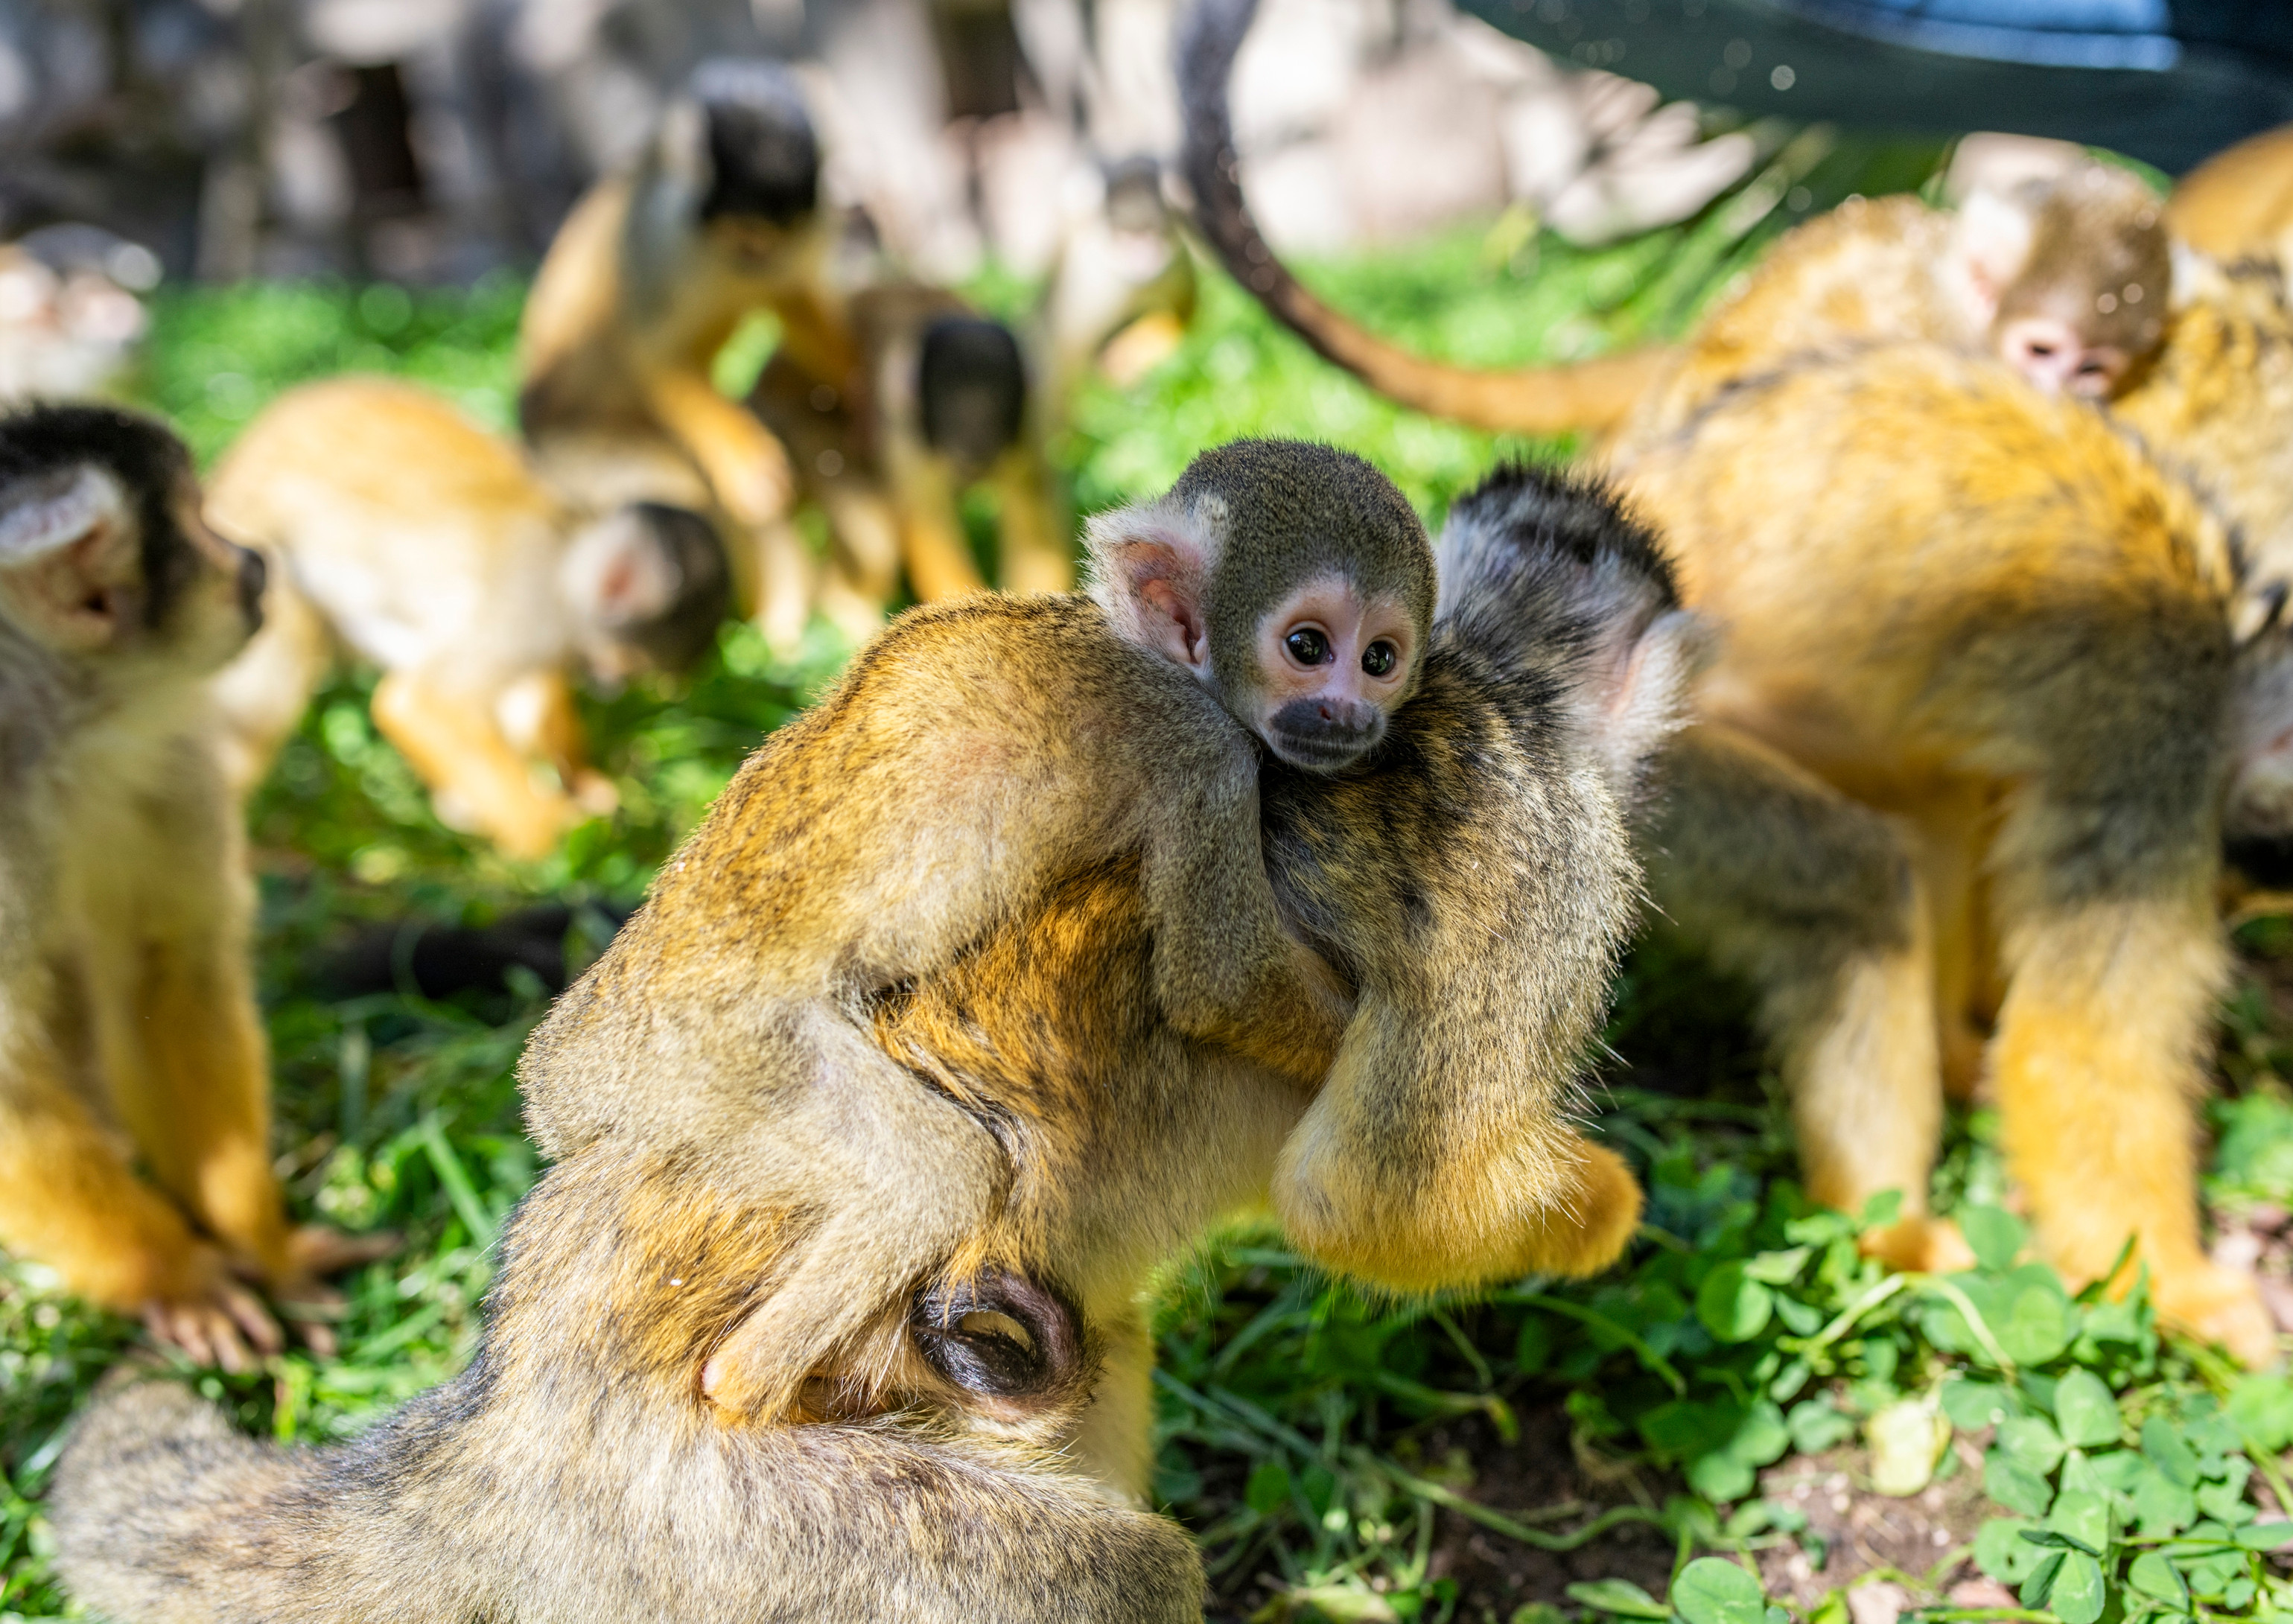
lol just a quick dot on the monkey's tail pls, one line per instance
(1593, 395)
(165, 1514)
(1551, 581)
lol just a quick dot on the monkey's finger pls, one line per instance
(317, 1335)
(240, 1310)
(222, 1336)
(169, 1323)
(319, 1251)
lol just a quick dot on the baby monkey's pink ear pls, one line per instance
(1151, 580)
(1990, 244)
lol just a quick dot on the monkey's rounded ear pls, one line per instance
(1152, 578)
(2198, 276)
(68, 554)
(1990, 242)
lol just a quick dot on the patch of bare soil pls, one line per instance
(1919, 1543)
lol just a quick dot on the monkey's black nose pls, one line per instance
(1323, 735)
(253, 574)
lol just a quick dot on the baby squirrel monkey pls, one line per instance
(648, 277)
(1015, 1057)
(2065, 279)
(405, 532)
(128, 1025)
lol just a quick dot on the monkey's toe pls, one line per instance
(1920, 1246)
(2222, 1306)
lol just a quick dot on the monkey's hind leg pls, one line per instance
(459, 749)
(907, 1177)
(2098, 1063)
(67, 1199)
(1817, 900)
(932, 541)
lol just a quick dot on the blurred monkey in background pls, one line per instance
(128, 1025)
(2065, 278)
(938, 399)
(651, 275)
(400, 530)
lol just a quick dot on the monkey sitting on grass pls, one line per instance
(128, 1026)
(971, 1001)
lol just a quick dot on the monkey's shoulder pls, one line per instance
(1018, 663)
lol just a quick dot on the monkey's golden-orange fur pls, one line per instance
(1970, 726)
(2239, 203)
(854, 1028)
(400, 530)
(128, 1026)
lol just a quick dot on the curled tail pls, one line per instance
(566, 1501)
(1594, 394)
(166, 1514)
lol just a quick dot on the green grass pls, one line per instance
(1541, 1450)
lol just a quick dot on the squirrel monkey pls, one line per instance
(648, 277)
(473, 587)
(1970, 751)
(1038, 1064)
(2239, 203)
(935, 400)
(2066, 279)
(128, 1026)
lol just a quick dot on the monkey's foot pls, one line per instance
(1921, 1246)
(314, 1252)
(2220, 1304)
(218, 1322)
(1605, 1216)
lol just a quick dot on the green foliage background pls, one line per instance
(1299, 1421)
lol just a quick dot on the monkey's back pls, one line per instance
(2238, 202)
(408, 526)
(2215, 401)
(973, 754)
(1922, 567)
(1861, 274)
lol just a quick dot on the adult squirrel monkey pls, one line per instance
(128, 1026)
(2064, 279)
(650, 276)
(400, 530)
(1957, 797)
(992, 1082)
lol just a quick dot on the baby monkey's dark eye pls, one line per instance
(1307, 646)
(1378, 658)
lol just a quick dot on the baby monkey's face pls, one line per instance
(1332, 666)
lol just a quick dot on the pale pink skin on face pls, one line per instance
(2052, 354)
(1349, 627)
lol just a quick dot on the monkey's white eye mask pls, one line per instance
(1331, 668)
